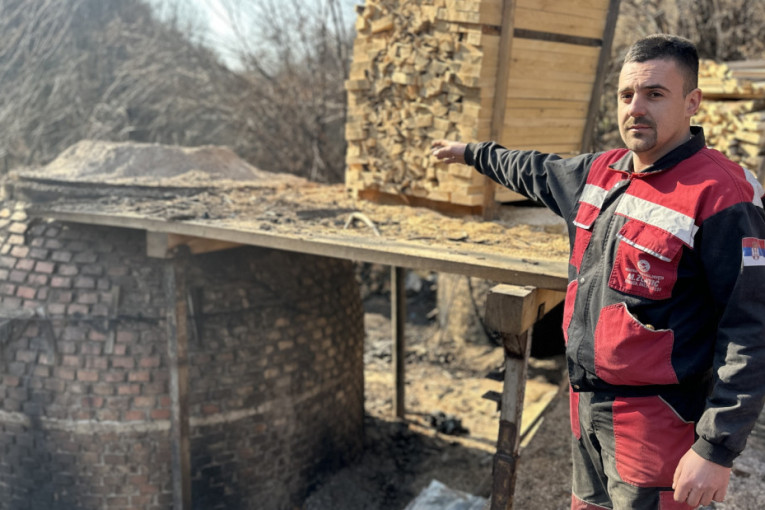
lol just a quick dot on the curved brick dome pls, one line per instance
(276, 371)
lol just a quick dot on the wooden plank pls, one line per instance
(546, 113)
(547, 60)
(539, 93)
(522, 46)
(579, 70)
(536, 134)
(177, 350)
(559, 66)
(562, 88)
(398, 321)
(593, 9)
(549, 274)
(600, 75)
(580, 107)
(536, 122)
(568, 24)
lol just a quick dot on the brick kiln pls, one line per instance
(275, 388)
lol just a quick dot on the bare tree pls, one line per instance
(74, 69)
(295, 57)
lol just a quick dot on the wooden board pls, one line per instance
(559, 23)
(426, 255)
(593, 9)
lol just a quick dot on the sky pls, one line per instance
(209, 18)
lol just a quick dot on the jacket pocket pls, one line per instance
(630, 353)
(646, 261)
(585, 217)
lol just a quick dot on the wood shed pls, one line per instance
(525, 73)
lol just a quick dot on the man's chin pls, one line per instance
(636, 144)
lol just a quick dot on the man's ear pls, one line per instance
(692, 102)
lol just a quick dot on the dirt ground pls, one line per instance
(402, 457)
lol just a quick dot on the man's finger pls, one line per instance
(694, 498)
(720, 495)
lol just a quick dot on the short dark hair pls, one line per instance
(668, 47)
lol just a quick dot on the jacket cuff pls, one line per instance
(470, 153)
(714, 452)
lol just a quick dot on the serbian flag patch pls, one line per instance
(753, 251)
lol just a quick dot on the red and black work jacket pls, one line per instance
(666, 291)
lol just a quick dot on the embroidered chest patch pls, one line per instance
(753, 251)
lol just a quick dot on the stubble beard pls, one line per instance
(642, 141)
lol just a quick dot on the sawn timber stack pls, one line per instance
(525, 73)
(733, 111)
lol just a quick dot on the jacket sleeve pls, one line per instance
(737, 281)
(548, 179)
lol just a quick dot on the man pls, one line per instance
(664, 318)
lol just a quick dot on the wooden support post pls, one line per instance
(600, 75)
(398, 321)
(177, 350)
(500, 97)
(510, 315)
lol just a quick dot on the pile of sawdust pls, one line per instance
(132, 163)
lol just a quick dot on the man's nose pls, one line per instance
(637, 106)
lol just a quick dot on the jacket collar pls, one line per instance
(672, 158)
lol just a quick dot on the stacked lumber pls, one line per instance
(427, 70)
(743, 79)
(733, 111)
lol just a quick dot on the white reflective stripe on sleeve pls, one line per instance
(758, 191)
(674, 222)
(593, 195)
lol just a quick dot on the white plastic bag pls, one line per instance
(438, 496)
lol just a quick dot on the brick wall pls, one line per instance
(276, 373)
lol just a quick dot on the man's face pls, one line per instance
(654, 114)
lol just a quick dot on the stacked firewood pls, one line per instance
(733, 111)
(429, 69)
(416, 77)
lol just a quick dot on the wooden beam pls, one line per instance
(500, 96)
(177, 350)
(398, 322)
(199, 245)
(600, 74)
(519, 307)
(156, 245)
(160, 244)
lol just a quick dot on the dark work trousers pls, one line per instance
(625, 451)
